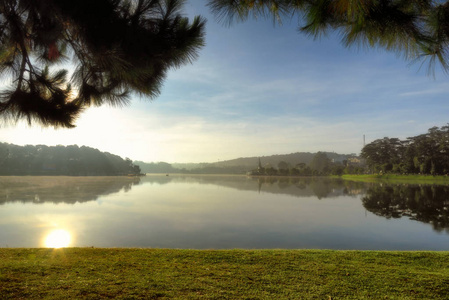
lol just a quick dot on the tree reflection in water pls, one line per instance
(61, 189)
(424, 203)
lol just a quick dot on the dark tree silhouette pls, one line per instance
(116, 46)
(416, 29)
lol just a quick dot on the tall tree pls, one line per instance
(425, 153)
(431, 150)
(416, 29)
(320, 163)
(384, 153)
(116, 46)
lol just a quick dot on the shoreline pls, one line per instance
(394, 178)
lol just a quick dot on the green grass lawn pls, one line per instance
(90, 273)
(418, 179)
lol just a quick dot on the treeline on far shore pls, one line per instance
(62, 160)
(426, 154)
(320, 165)
(201, 168)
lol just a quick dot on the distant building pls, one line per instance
(356, 161)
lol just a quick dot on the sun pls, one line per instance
(58, 238)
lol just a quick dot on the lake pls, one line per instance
(221, 212)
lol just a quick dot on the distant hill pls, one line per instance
(292, 159)
(61, 160)
(237, 166)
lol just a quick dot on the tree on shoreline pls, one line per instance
(62, 160)
(425, 153)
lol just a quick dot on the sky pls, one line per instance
(258, 89)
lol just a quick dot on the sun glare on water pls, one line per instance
(58, 238)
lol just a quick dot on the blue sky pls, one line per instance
(258, 89)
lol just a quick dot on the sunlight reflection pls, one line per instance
(58, 238)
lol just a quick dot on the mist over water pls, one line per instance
(221, 212)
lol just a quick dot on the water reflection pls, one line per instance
(61, 189)
(293, 186)
(185, 211)
(424, 203)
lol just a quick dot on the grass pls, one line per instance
(90, 273)
(418, 179)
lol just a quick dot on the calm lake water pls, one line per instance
(221, 212)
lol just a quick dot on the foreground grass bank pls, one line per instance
(86, 273)
(417, 179)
